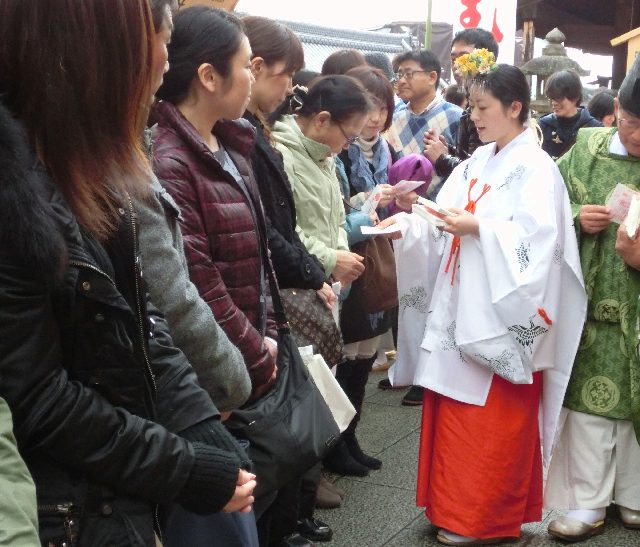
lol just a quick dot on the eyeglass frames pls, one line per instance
(350, 140)
(631, 125)
(408, 74)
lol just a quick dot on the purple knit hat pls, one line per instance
(410, 167)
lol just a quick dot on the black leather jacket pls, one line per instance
(106, 410)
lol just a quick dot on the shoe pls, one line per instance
(340, 461)
(359, 455)
(413, 397)
(295, 540)
(332, 487)
(381, 363)
(570, 529)
(385, 383)
(314, 530)
(630, 517)
(327, 499)
(448, 538)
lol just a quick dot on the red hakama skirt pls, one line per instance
(480, 467)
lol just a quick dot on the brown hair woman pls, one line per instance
(107, 413)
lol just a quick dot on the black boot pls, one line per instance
(340, 461)
(355, 389)
(358, 455)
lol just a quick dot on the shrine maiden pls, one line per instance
(491, 310)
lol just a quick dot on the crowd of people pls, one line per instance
(157, 176)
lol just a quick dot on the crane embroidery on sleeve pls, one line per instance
(526, 335)
(522, 252)
(500, 364)
(449, 344)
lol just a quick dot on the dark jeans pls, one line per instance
(184, 529)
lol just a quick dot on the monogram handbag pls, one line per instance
(312, 324)
(376, 289)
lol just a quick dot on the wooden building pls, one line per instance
(589, 25)
(632, 39)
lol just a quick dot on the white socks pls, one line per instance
(590, 516)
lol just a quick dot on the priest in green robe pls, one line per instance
(596, 460)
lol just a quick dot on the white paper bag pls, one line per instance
(339, 404)
(335, 309)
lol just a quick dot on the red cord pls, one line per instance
(455, 244)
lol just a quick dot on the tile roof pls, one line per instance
(320, 42)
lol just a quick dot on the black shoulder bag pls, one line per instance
(290, 428)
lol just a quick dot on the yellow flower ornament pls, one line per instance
(477, 63)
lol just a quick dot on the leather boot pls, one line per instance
(355, 390)
(340, 461)
(332, 487)
(327, 499)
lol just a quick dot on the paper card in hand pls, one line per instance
(619, 202)
(431, 211)
(406, 186)
(372, 202)
(633, 217)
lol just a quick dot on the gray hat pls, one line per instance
(629, 93)
(380, 60)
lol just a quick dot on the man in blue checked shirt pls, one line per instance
(417, 76)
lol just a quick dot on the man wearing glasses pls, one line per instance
(597, 458)
(443, 157)
(417, 74)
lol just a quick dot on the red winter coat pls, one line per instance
(220, 235)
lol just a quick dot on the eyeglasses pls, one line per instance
(350, 140)
(631, 125)
(408, 74)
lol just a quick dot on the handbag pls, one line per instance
(376, 289)
(312, 324)
(290, 428)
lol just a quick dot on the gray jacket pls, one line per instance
(218, 363)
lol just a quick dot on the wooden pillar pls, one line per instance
(528, 37)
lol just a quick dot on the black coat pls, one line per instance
(295, 267)
(558, 137)
(103, 403)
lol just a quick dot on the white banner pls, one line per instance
(496, 16)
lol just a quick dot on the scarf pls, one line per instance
(362, 178)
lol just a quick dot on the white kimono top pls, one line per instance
(516, 304)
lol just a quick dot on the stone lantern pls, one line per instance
(553, 58)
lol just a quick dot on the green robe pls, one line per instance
(606, 375)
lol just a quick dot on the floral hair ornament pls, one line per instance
(479, 62)
(297, 97)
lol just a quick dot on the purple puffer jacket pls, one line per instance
(220, 235)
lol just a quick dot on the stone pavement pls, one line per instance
(380, 509)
